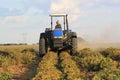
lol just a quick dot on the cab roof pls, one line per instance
(58, 15)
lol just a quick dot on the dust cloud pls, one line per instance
(108, 38)
(109, 35)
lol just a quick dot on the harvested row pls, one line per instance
(69, 67)
(47, 69)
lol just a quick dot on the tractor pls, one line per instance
(58, 39)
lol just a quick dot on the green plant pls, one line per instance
(27, 50)
(108, 63)
(28, 57)
(69, 67)
(16, 55)
(108, 74)
(5, 76)
(113, 53)
(4, 53)
(47, 69)
(92, 62)
(89, 60)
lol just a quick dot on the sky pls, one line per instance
(93, 20)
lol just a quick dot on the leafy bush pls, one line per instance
(28, 57)
(93, 61)
(108, 74)
(89, 60)
(4, 53)
(108, 63)
(5, 59)
(14, 56)
(5, 62)
(5, 76)
(27, 50)
(113, 53)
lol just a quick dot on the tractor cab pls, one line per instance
(63, 29)
(65, 21)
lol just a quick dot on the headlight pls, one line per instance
(58, 36)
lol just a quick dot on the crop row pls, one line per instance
(69, 67)
(53, 67)
(47, 69)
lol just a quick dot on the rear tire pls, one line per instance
(74, 46)
(42, 49)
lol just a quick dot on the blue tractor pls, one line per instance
(58, 38)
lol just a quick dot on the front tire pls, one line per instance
(42, 49)
(74, 46)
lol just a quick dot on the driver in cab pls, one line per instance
(58, 25)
